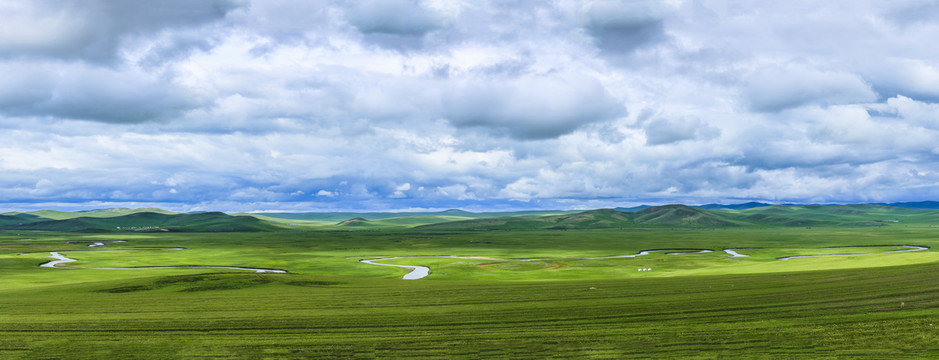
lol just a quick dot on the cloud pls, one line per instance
(397, 17)
(352, 105)
(666, 131)
(92, 93)
(773, 89)
(533, 107)
(94, 30)
(914, 12)
(908, 77)
(619, 27)
(920, 113)
(397, 24)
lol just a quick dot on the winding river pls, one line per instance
(419, 272)
(61, 259)
(733, 252)
(910, 248)
(648, 252)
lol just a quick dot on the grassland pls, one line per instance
(693, 305)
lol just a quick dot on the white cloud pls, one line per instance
(916, 112)
(534, 107)
(910, 77)
(661, 131)
(775, 89)
(436, 104)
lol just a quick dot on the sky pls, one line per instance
(286, 105)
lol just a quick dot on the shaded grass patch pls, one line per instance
(216, 281)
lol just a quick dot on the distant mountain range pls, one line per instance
(754, 204)
(743, 206)
(913, 205)
(342, 216)
(673, 216)
(682, 216)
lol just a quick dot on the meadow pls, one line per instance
(499, 304)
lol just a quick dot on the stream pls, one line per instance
(61, 259)
(911, 248)
(419, 272)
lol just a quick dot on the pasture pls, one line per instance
(518, 294)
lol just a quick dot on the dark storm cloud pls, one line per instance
(90, 93)
(396, 24)
(620, 27)
(93, 30)
(395, 17)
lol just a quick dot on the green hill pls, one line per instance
(335, 217)
(666, 216)
(682, 216)
(112, 212)
(98, 213)
(354, 222)
(837, 215)
(19, 218)
(744, 206)
(658, 216)
(149, 221)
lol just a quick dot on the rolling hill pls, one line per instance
(150, 221)
(682, 216)
(913, 205)
(335, 217)
(354, 222)
(666, 216)
(837, 215)
(656, 216)
(19, 218)
(97, 213)
(744, 206)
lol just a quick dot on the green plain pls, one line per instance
(691, 305)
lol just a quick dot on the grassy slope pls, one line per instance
(668, 216)
(841, 215)
(335, 217)
(210, 221)
(14, 219)
(659, 216)
(681, 216)
(102, 213)
(391, 223)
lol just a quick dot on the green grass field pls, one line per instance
(499, 304)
